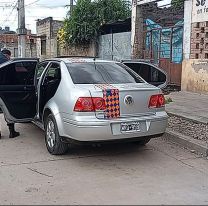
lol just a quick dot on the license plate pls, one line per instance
(130, 127)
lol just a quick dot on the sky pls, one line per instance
(34, 9)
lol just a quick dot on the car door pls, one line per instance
(149, 72)
(49, 85)
(17, 90)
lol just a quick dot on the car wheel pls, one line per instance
(52, 139)
(143, 142)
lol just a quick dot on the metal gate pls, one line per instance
(115, 46)
(163, 46)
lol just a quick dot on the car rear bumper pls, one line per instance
(109, 130)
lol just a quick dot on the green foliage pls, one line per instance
(82, 26)
(168, 100)
(177, 3)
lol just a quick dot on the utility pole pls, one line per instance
(71, 6)
(21, 29)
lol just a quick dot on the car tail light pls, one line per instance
(156, 101)
(89, 104)
(161, 100)
(84, 104)
(99, 103)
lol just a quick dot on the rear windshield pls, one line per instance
(102, 73)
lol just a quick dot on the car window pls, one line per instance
(147, 72)
(40, 68)
(18, 73)
(102, 73)
(53, 73)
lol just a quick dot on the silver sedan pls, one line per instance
(81, 100)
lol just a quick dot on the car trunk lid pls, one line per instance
(123, 100)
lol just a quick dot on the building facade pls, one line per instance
(157, 35)
(10, 41)
(47, 30)
(195, 64)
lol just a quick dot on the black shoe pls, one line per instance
(0, 135)
(14, 134)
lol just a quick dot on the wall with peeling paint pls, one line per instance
(195, 64)
(195, 76)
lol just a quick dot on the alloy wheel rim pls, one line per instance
(50, 134)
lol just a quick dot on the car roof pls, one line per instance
(137, 60)
(69, 60)
(142, 61)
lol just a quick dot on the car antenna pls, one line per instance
(94, 62)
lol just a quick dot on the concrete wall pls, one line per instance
(187, 29)
(82, 50)
(38, 47)
(195, 64)
(30, 49)
(195, 76)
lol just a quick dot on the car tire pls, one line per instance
(143, 142)
(52, 139)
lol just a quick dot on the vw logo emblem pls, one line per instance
(128, 100)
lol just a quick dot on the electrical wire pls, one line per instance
(32, 3)
(13, 8)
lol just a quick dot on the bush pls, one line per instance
(82, 26)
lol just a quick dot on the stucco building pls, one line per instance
(47, 30)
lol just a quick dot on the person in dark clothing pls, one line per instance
(5, 56)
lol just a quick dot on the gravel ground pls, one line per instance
(196, 130)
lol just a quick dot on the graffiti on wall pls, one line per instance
(164, 42)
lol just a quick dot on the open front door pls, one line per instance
(149, 72)
(17, 90)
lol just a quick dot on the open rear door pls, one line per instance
(17, 90)
(149, 72)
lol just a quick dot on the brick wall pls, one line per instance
(10, 41)
(9, 38)
(199, 40)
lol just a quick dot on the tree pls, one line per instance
(177, 3)
(82, 26)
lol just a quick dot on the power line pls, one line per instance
(32, 3)
(15, 19)
(15, 5)
(7, 18)
(52, 7)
